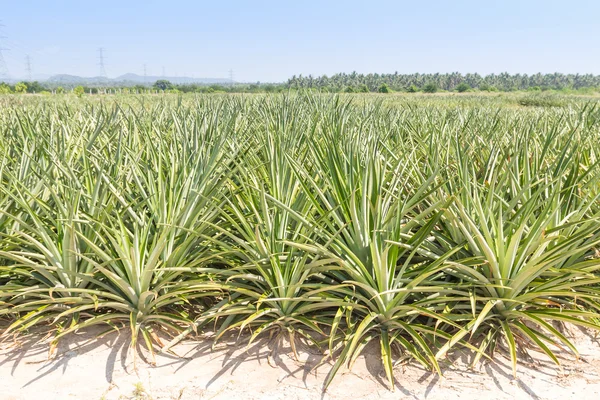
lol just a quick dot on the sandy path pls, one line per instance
(102, 369)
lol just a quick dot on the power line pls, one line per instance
(101, 62)
(28, 66)
(3, 67)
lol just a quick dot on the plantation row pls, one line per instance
(447, 81)
(330, 220)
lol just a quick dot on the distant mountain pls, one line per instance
(128, 79)
(34, 77)
(174, 79)
(74, 79)
(40, 77)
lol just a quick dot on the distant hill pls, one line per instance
(128, 79)
(174, 79)
(74, 79)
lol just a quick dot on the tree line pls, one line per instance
(450, 82)
(158, 87)
(342, 82)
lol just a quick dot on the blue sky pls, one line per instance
(273, 40)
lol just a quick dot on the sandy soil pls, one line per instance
(86, 368)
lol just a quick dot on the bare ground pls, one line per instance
(88, 368)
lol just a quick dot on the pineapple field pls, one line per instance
(421, 225)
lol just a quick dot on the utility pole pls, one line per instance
(101, 62)
(28, 66)
(3, 67)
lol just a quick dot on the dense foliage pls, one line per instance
(422, 224)
(449, 81)
(342, 83)
(160, 86)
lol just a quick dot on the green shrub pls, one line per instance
(163, 84)
(79, 91)
(430, 87)
(4, 88)
(384, 88)
(462, 87)
(21, 88)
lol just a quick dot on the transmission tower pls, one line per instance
(101, 62)
(3, 67)
(231, 77)
(28, 66)
(163, 72)
(145, 74)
